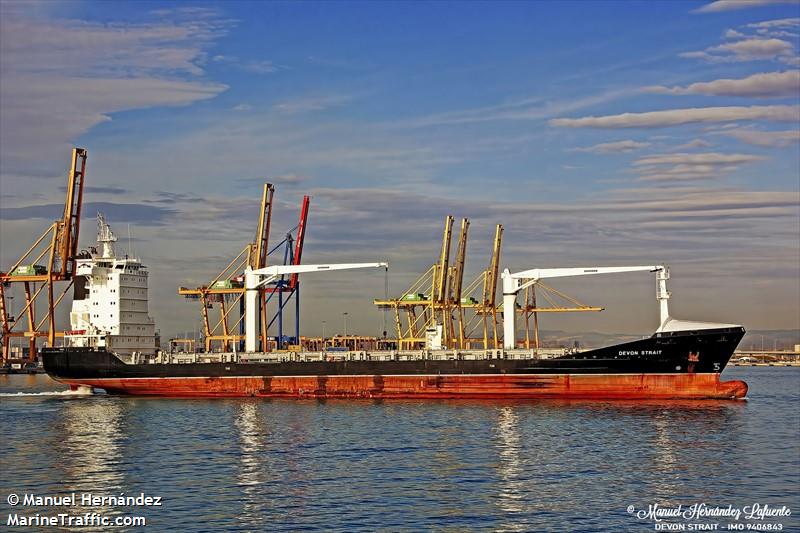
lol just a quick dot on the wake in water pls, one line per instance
(82, 391)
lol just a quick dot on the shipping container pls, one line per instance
(29, 270)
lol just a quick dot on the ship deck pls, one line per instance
(358, 355)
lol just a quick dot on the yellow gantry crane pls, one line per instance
(440, 303)
(437, 310)
(423, 305)
(50, 259)
(479, 297)
(456, 311)
(227, 287)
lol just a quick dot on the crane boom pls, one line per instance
(256, 278)
(513, 283)
(67, 240)
(543, 273)
(259, 259)
(301, 236)
(279, 270)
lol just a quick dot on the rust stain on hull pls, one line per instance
(514, 386)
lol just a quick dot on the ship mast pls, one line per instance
(105, 237)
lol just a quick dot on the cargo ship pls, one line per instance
(111, 347)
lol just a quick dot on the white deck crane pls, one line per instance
(513, 283)
(253, 279)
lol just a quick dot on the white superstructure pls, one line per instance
(109, 307)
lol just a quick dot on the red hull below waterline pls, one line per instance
(519, 386)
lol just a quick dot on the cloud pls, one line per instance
(776, 23)
(167, 197)
(91, 189)
(778, 28)
(732, 5)
(382, 207)
(534, 108)
(709, 158)
(58, 79)
(683, 173)
(677, 117)
(769, 139)
(733, 34)
(777, 33)
(258, 145)
(615, 147)
(242, 107)
(306, 105)
(756, 48)
(689, 166)
(750, 49)
(764, 85)
(106, 50)
(695, 143)
(259, 67)
(255, 66)
(285, 179)
(145, 215)
(768, 40)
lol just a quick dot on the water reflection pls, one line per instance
(666, 462)
(548, 452)
(511, 497)
(93, 439)
(253, 471)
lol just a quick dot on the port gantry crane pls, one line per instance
(482, 304)
(433, 311)
(227, 288)
(454, 288)
(425, 303)
(57, 247)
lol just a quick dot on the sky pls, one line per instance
(598, 133)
